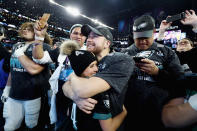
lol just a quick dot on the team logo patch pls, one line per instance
(106, 103)
(78, 53)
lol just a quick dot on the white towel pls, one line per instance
(54, 87)
(74, 115)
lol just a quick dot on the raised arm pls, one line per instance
(39, 55)
(190, 19)
(163, 27)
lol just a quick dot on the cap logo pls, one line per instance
(78, 53)
(106, 103)
(140, 26)
(108, 36)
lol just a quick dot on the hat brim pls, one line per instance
(146, 34)
(86, 29)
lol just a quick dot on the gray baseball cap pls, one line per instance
(143, 26)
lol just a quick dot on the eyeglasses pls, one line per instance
(183, 43)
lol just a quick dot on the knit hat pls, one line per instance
(74, 26)
(79, 59)
(143, 26)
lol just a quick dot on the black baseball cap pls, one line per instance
(143, 26)
(99, 30)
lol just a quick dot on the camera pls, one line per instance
(138, 59)
(176, 17)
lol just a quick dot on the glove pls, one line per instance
(5, 94)
(20, 51)
(193, 101)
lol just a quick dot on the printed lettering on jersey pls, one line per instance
(78, 53)
(101, 66)
(145, 54)
(16, 65)
(159, 53)
(152, 55)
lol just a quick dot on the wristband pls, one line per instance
(39, 38)
(193, 101)
(35, 44)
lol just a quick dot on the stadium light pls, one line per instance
(73, 11)
(76, 12)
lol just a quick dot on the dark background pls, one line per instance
(118, 14)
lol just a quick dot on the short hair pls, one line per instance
(47, 38)
(190, 41)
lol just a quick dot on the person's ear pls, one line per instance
(107, 44)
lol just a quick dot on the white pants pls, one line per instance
(15, 110)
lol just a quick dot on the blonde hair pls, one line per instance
(30, 25)
(24, 26)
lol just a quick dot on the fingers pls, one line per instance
(187, 13)
(90, 104)
(86, 111)
(192, 12)
(148, 66)
(37, 26)
(182, 21)
(86, 105)
(147, 61)
(93, 101)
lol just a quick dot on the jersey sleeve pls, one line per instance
(102, 108)
(117, 72)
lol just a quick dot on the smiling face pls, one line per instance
(90, 70)
(77, 36)
(96, 43)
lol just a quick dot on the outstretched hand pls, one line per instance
(164, 25)
(190, 18)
